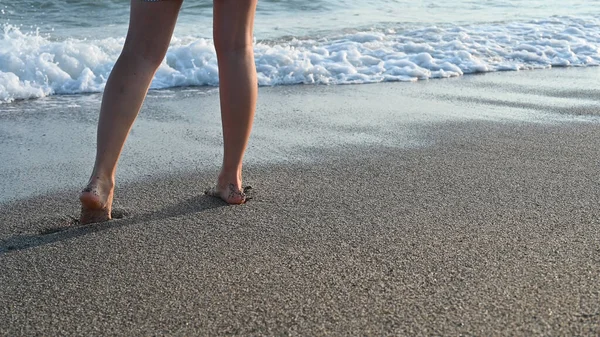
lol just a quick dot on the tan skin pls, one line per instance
(150, 29)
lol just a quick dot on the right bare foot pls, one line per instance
(96, 202)
(229, 193)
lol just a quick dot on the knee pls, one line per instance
(144, 52)
(233, 25)
(229, 40)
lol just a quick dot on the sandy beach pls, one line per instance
(465, 206)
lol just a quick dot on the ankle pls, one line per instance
(106, 181)
(230, 177)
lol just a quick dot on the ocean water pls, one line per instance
(69, 47)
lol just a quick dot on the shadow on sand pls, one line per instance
(70, 228)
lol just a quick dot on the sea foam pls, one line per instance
(32, 65)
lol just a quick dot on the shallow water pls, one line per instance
(276, 18)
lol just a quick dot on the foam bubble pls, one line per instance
(33, 66)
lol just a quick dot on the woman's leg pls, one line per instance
(233, 35)
(150, 28)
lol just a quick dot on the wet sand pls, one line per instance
(465, 206)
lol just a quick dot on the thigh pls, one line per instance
(151, 26)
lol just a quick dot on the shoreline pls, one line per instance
(179, 131)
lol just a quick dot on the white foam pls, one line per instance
(33, 66)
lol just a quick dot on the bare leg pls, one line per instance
(150, 28)
(233, 28)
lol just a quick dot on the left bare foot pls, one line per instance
(96, 202)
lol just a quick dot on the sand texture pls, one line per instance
(472, 211)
